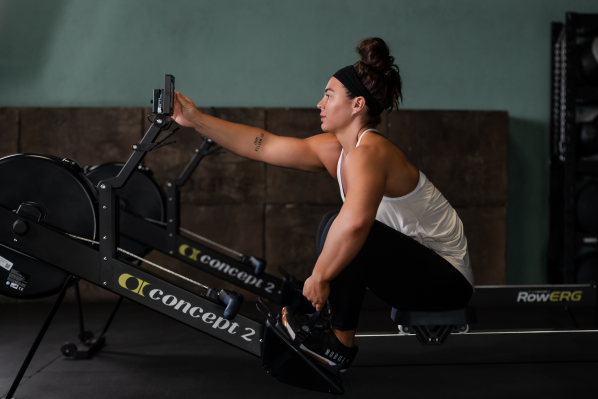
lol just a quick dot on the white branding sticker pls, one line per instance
(4, 263)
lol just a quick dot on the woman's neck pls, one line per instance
(349, 135)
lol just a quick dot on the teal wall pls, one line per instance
(457, 54)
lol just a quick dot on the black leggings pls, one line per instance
(399, 270)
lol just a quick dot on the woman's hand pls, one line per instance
(316, 291)
(185, 112)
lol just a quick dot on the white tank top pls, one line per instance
(427, 217)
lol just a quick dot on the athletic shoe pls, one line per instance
(296, 320)
(320, 344)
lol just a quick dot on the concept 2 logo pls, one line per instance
(183, 251)
(137, 286)
(132, 283)
(225, 268)
(545, 296)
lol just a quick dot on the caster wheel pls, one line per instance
(69, 349)
(462, 329)
(86, 336)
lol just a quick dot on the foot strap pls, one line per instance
(307, 327)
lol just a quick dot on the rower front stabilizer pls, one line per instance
(291, 366)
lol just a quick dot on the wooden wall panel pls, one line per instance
(464, 153)
(89, 135)
(9, 133)
(291, 237)
(486, 232)
(238, 227)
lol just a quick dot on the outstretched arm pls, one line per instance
(254, 143)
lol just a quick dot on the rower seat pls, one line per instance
(434, 327)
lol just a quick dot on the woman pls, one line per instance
(395, 233)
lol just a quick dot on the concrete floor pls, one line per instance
(151, 356)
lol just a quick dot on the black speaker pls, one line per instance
(588, 61)
(587, 268)
(587, 208)
(587, 133)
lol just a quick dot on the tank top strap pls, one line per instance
(338, 176)
(360, 137)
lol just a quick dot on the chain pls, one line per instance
(240, 255)
(561, 86)
(143, 260)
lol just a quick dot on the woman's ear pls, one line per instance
(358, 104)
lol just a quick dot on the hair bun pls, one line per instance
(379, 74)
(375, 53)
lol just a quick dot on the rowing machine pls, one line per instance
(150, 217)
(56, 227)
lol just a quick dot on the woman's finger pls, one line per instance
(182, 100)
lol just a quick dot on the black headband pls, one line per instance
(348, 76)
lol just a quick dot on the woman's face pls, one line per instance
(336, 109)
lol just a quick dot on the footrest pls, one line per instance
(290, 366)
(435, 318)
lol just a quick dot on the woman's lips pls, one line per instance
(322, 118)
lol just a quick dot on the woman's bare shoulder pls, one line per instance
(375, 143)
(384, 151)
(328, 148)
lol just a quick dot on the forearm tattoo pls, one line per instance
(258, 141)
